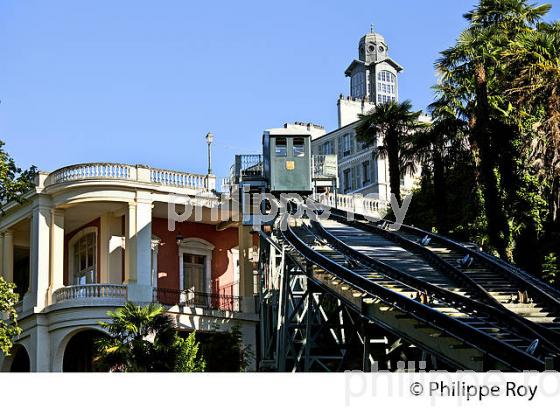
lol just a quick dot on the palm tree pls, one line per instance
(435, 147)
(534, 56)
(141, 339)
(393, 122)
(474, 66)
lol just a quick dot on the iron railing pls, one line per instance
(216, 301)
(246, 166)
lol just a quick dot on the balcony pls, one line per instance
(129, 173)
(97, 291)
(215, 301)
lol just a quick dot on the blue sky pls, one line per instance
(137, 81)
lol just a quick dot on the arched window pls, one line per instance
(83, 257)
(386, 86)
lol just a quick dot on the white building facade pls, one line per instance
(373, 80)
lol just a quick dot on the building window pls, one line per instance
(281, 147)
(345, 144)
(366, 172)
(194, 268)
(195, 264)
(386, 87)
(346, 180)
(299, 147)
(356, 178)
(84, 259)
(358, 84)
(327, 148)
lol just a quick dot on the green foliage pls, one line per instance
(188, 357)
(140, 339)
(8, 317)
(391, 122)
(500, 82)
(551, 269)
(143, 339)
(225, 351)
(14, 182)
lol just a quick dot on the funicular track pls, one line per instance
(488, 279)
(460, 324)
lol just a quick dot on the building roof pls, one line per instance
(388, 60)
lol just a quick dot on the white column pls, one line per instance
(246, 269)
(8, 256)
(139, 251)
(40, 257)
(104, 240)
(130, 244)
(56, 280)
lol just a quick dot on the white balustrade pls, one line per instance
(179, 179)
(97, 290)
(90, 171)
(126, 172)
(354, 203)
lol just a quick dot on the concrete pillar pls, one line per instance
(8, 256)
(40, 258)
(39, 351)
(56, 280)
(139, 251)
(246, 269)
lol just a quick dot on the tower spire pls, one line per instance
(371, 28)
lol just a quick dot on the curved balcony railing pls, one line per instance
(93, 291)
(124, 172)
(99, 170)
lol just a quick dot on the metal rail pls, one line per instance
(552, 337)
(550, 295)
(461, 303)
(501, 351)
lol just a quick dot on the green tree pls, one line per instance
(189, 358)
(392, 122)
(14, 182)
(534, 58)
(225, 351)
(475, 70)
(143, 339)
(436, 148)
(8, 316)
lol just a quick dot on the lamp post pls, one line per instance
(209, 139)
